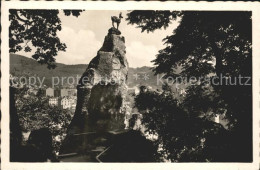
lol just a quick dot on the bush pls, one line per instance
(35, 113)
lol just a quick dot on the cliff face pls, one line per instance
(102, 88)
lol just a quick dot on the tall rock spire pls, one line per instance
(102, 88)
(97, 130)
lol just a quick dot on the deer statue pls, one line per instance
(117, 20)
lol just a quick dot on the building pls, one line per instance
(73, 107)
(50, 92)
(72, 92)
(60, 92)
(55, 101)
(68, 102)
(65, 103)
(56, 93)
(63, 92)
(68, 92)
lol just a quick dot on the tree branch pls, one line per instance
(20, 19)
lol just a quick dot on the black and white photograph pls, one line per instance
(130, 84)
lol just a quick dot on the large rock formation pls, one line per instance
(96, 133)
(102, 89)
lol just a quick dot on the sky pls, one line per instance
(84, 36)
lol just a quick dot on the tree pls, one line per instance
(38, 29)
(181, 137)
(206, 44)
(200, 37)
(34, 112)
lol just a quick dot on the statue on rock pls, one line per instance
(97, 132)
(116, 20)
(102, 89)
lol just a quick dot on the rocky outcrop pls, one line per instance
(97, 133)
(102, 88)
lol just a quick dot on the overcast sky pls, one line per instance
(85, 35)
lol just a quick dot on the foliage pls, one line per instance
(37, 28)
(205, 44)
(151, 20)
(35, 113)
(203, 101)
(182, 137)
(224, 35)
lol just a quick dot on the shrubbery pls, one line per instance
(35, 113)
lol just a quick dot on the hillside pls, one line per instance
(21, 66)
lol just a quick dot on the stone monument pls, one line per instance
(102, 88)
(97, 132)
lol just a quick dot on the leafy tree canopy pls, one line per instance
(38, 29)
(181, 137)
(202, 38)
(204, 44)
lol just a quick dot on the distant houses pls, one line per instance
(63, 98)
(54, 101)
(57, 93)
(50, 92)
(68, 92)
(53, 92)
(60, 92)
(69, 102)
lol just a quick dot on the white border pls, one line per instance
(113, 5)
